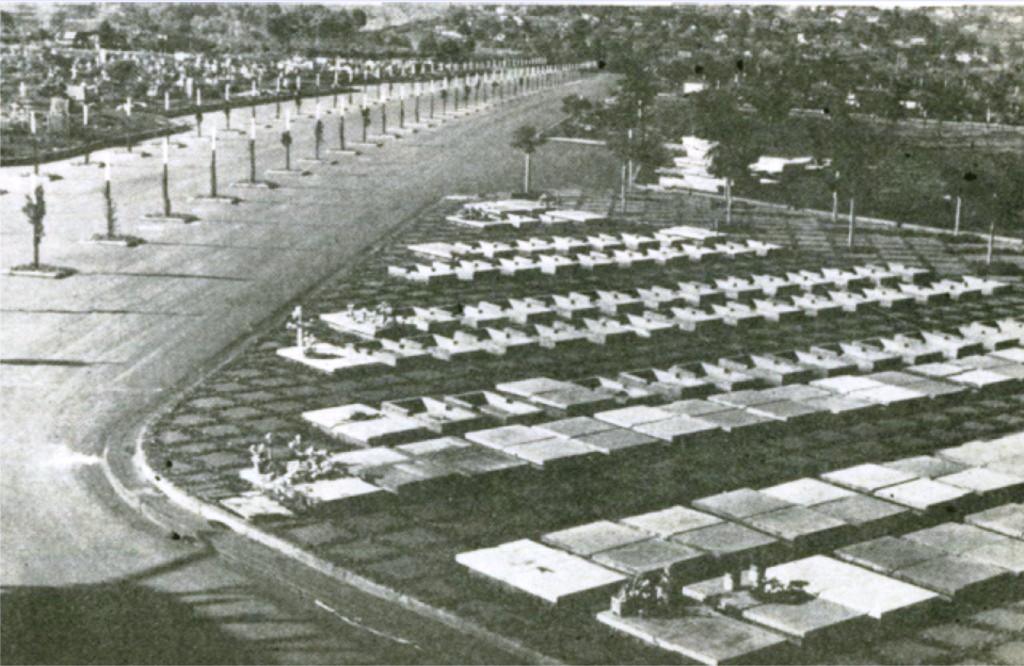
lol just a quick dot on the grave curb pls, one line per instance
(149, 481)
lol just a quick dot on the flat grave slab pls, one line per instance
(575, 426)
(867, 478)
(1007, 519)
(984, 482)
(740, 504)
(478, 461)
(552, 451)
(870, 515)
(674, 520)
(678, 429)
(575, 400)
(923, 494)
(1009, 556)
(695, 408)
(383, 431)
(742, 399)
(957, 577)
(734, 420)
(708, 638)
(629, 417)
(787, 410)
(981, 453)
(616, 441)
(838, 404)
(887, 554)
(372, 457)
(795, 392)
(846, 384)
(880, 597)
(807, 492)
(414, 475)
(814, 623)
(925, 467)
(336, 490)
(528, 388)
(729, 541)
(936, 370)
(506, 436)
(545, 573)
(430, 446)
(653, 555)
(586, 540)
(982, 379)
(800, 526)
(254, 504)
(955, 538)
(887, 395)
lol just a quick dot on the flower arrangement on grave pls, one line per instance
(650, 596)
(278, 477)
(774, 591)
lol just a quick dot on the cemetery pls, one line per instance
(675, 460)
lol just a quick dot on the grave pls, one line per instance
(552, 452)
(652, 556)
(732, 544)
(740, 504)
(474, 461)
(542, 572)
(924, 495)
(356, 461)
(801, 527)
(867, 478)
(1007, 519)
(414, 476)
(888, 554)
(985, 483)
(502, 408)
(671, 521)
(506, 436)
(959, 578)
(694, 408)
(611, 442)
(885, 599)
(806, 492)
(813, 624)
(592, 538)
(955, 538)
(704, 636)
(628, 417)
(678, 430)
(254, 504)
(328, 492)
(366, 426)
(925, 467)
(572, 427)
(871, 516)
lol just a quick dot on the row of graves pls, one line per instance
(575, 464)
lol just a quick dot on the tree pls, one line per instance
(527, 139)
(35, 211)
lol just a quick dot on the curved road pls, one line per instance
(85, 360)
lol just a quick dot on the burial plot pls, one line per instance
(366, 426)
(806, 492)
(925, 467)
(704, 636)
(802, 527)
(987, 484)
(619, 440)
(679, 430)
(888, 554)
(253, 505)
(1007, 519)
(925, 495)
(867, 478)
(652, 556)
(629, 417)
(958, 578)
(555, 452)
(506, 436)
(812, 624)
(885, 599)
(542, 572)
(740, 504)
(731, 544)
(592, 538)
(871, 516)
(671, 521)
